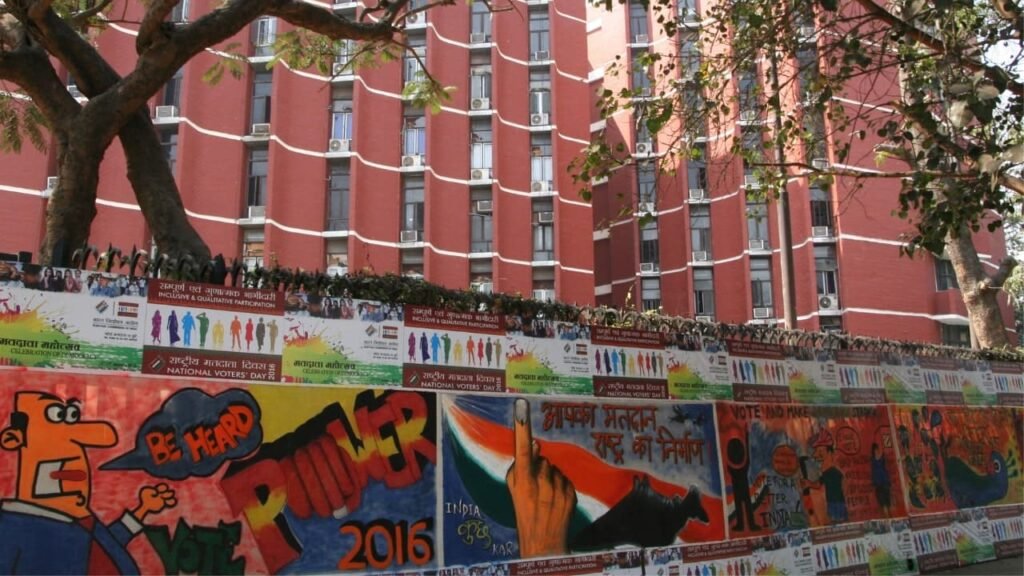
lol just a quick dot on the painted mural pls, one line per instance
(955, 457)
(792, 467)
(539, 477)
(176, 477)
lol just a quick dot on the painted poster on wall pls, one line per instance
(207, 331)
(698, 368)
(213, 477)
(812, 375)
(69, 318)
(943, 383)
(1008, 382)
(955, 457)
(628, 363)
(903, 380)
(1006, 524)
(785, 553)
(790, 467)
(861, 377)
(452, 350)
(759, 372)
(546, 356)
(534, 478)
(341, 341)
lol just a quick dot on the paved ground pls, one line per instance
(1004, 567)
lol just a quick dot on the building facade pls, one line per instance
(342, 172)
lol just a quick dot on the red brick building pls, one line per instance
(314, 171)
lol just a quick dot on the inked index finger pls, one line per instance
(523, 435)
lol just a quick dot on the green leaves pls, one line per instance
(20, 119)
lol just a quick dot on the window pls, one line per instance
(543, 231)
(638, 22)
(412, 204)
(650, 293)
(696, 122)
(955, 335)
(539, 35)
(252, 248)
(945, 275)
(412, 262)
(179, 13)
(821, 207)
(480, 271)
(414, 136)
(807, 63)
(540, 92)
(257, 195)
(480, 231)
(480, 80)
(761, 282)
(338, 198)
(641, 79)
(544, 278)
(480, 20)
(337, 253)
(264, 33)
(262, 82)
(751, 145)
(169, 143)
(481, 151)
(746, 86)
(172, 91)
(703, 292)
(649, 244)
(688, 10)
(345, 52)
(341, 119)
(541, 168)
(757, 220)
(689, 54)
(646, 179)
(412, 70)
(700, 229)
(814, 126)
(826, 267)
(696, 168)
(830, 323)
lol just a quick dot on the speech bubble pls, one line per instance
(785, 461)
(848, 440)
(193, 434)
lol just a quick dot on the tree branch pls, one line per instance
(153, 23)
(334, 26)
(996, 281)
(80, 19)
(31, 70)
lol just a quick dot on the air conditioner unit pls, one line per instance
(647, 267)
(341, 69)
(762, 313)
(539, 119)
(480, 104)
(759, 245)
(806, 32)
(75, 92)
(480, 174)
(478, 38)
(545, 217)
(482, 287)
(166, 112)
(540, 186)
(540, 56)
(750, 181)
(703, 318)
(820, 163)
(543, 294)
(260, 130)
(821, 232)
(51, 182)
(336, 270)
(748, 116)
(644, 147)
(413, 18)
(641, 39)
(828, 302)
(257, 212)
(696, 194)
(700, 256)
(408, 236)
(483, 206)
(339, 145)
(412, 161)
(645, 207)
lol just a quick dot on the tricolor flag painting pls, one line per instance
(551, 477)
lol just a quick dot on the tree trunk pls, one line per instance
(72, 207)
(157, 192)
(979, 296)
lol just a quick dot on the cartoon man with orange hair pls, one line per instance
(49, 528)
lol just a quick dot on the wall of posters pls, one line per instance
(861, 377)
(760, 372)
(545, 477)
(546, 356)
(629, 363)
(698, 368)
(449, 350)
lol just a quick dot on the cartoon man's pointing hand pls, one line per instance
(53, 494)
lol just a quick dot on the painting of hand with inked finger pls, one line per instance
(540, 478)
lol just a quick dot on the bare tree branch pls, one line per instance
(153, 23)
